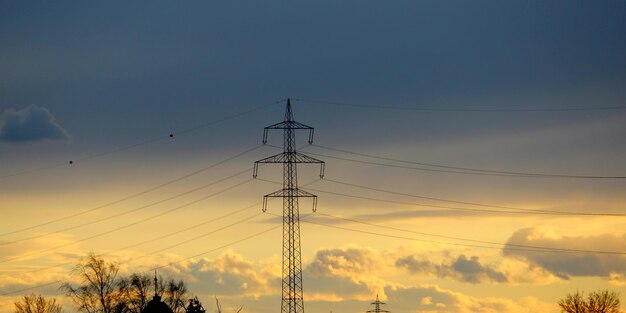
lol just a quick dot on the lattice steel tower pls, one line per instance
(292, 300)
(377, 307)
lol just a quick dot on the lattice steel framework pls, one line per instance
(292, 299)
(377, 307)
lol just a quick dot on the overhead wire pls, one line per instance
(169, 263)
(169, 182)
(504, 245)
(543, 250)
(143, 220)
(410, 108)
(535, 212)
(170, 234)
(414, 168)
(129, 211)
(501, 173)
(180, 243)
(56, 282)
(224, 246)
(467, 171)
(527, 211)
(511, 210)
(469, 203)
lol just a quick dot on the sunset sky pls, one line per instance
(460, 138)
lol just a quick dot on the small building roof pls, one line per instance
(157, 306)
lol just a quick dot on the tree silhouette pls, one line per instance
(175, 295)
(102, 290)
(97, 292)
(195, 306)
(602, 301)
(135, 291)
(37, 304)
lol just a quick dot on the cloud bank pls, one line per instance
(463, 269)
(566, 265)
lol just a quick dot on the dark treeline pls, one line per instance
(101, 289)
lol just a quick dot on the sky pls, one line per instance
(129, 129)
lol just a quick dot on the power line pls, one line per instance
(33, 170)
(226, 245)
(407, 108)
(470, 240)
(142, 143)
(127, 225)
(215, 249)
(132, 210)
(505, 173)
(470, 203)
(185, 229)
(32, 287)
(534, 212)
(134, 195)
(180, 243)
(230, 117)
(544, 250)
(414, 168)
(468, 171)
(525, 211)
(161, 266)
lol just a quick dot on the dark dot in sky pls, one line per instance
(171, 135)
(71, 162)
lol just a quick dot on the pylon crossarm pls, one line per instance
(299, 193)
(295, 192)
(288, 125)
(285, 157)
(293, 157)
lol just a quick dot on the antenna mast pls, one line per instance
(292, 300)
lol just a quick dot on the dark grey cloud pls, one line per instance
(463, 269)
(565, 265)
(346, 261)
(30, 124)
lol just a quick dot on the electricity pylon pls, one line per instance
(292, 300)
(377, 308)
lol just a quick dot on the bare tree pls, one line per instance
(175, 295)
(135, 292)
(102, 290)
(573, 303)
(97, 292)
(602, 301)
(37, 304)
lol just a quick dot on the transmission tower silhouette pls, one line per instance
(292, 300)
(377, 308)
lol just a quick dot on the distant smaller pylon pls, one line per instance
(377, 308)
